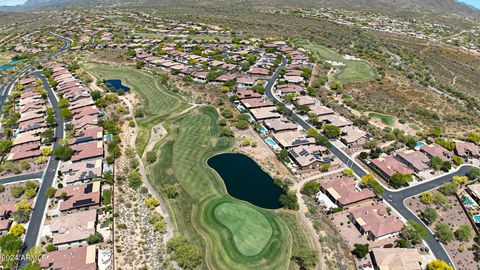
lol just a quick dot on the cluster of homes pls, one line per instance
(74, 207)
(372, 219)
(31, 105)
(418, 161)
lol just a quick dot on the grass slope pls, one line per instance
(242, 221)
(157, 100)
(233, 233)
(386, 119)
(353, 71)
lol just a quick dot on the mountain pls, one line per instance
(385, 6)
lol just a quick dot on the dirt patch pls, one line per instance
(158, 133)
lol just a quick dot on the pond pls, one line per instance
(9, 65)
(116, 85)
(245, 180)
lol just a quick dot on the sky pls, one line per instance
(11, 2)
(475, 3)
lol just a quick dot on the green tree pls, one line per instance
(171, 190)
(50, 192)
(444, 233)
(448, 188)
(289, 201)
(95, 238)
(458, 160)
(48, 135)
(134, 179)
(436, 163)
(399, 180)
(474, 173)
(310, 188)
(360, 250)
(66, 114)
(430, 215)
(305, 258)
(63, 103)
(331, 131)
(187, 255)
(464, 233)
(283, 156)
(151, 157)
(414, 231)
(63, 152)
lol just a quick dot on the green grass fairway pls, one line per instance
(251, 230)
(157, 100)
(231, 233)
(353, 71)
(234, 234)
(386, 119)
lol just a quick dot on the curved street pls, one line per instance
(394, 198)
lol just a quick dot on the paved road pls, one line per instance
(21, 177)
(394, 198)
(50, 173)
(48, 177)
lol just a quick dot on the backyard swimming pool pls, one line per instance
(271, 142)
(468, 201)
(476, 218)
(419, 144)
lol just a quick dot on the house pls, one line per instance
(265, 113)
(71, 229)
(467, 150)
(246, 81)
(294, 79)
(28, 137)
(85, 122)
(79, 196)
(85, 111)
(247, 94)
(343, 192)
(416, 160)
(263, 72)
(87, 135)
(435, 150)
(375, 221)
(292, 138)
(353, 136)
(225, 78)
(251, 103)
(280, 124)
(320, 110)
(309, 157)
(81, 258)
(6, 209)
(81, 171)
(335, 119)
(473, 190)
(289, 88)
(90, 150)
(389, 166)
(200, 76)
(5, 226)
(396, 259)
(26, 81)
(305, 100)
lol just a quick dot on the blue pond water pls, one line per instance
(10, 65)
(245, 180)
(116, 85)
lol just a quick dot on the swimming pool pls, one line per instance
(419, 144)
(271, 142)
(476, 218)
(468, 201)
(262, 129)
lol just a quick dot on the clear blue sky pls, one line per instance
(11, 2)
(475, 3)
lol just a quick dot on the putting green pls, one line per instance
(251, 230)
(352, 71)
